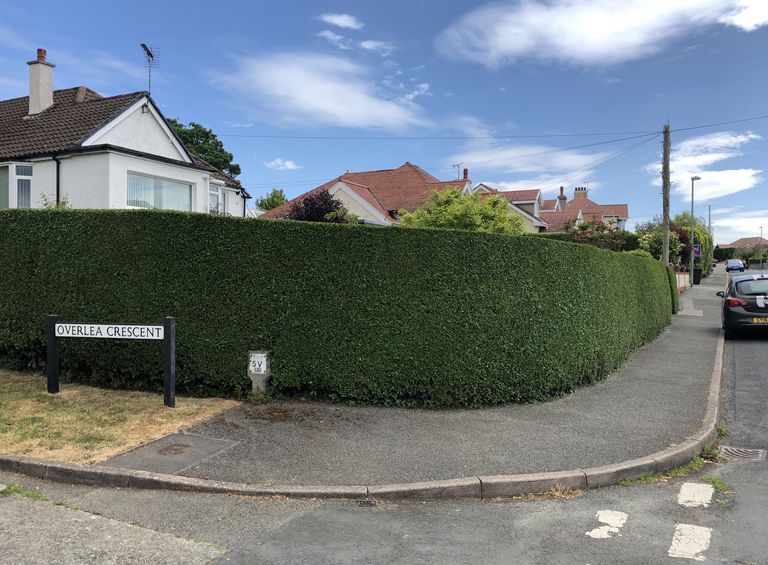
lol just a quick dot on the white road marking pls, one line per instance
(695, 494)
(613, 521)
(690, 542)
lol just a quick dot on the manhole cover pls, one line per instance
(742, 453)
(366, 503)
(175, 449)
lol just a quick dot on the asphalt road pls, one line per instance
(633, 524)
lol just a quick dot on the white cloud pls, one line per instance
(421, 90)
(314, 89)
(587, 32)
(345, 21)
(742, 224)
(747, 15)
(695, 156)
(281, 164)
(382, 47)
(335, 39)
(718, 211)
(521, 158)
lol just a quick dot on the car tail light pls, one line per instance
(733, 302)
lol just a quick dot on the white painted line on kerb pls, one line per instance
(613, 521)
(690, 542)
(695, 494)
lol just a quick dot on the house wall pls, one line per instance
(234, 202)
(355, 208)
(100, 180)
(83, 180)
(529, 226)
(4, 187)
(141, 132)
(120, 165)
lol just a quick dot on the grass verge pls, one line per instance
(83, 424)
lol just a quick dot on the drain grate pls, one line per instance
(742, 454)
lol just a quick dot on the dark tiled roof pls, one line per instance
(218, 174)
(76, 113)
(404, 188)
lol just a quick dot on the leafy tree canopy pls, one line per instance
(452, 209)
(272, 200)
(205, 144)
(320, 207)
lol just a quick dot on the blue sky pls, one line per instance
(502, 85)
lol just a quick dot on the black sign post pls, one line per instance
(53, 355)
(166, 333)
(169, 360)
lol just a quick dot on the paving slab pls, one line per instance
(173, 453)
(655, 400)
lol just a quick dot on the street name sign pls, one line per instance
(166, 333)
(109, 331)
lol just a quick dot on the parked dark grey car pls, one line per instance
(745, 303)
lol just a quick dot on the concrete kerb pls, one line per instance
(478, 487)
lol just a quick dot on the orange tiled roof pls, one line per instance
(404, 188)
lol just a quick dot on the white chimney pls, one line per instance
(40, 84)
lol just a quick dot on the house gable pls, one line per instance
(140, 127)
(356, 202)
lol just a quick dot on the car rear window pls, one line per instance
(755, 288)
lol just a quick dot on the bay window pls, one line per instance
(154, 192)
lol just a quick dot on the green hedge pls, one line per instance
(674, 290)
(350, 313)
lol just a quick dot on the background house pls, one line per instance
(376, 197)
(101, 152)
(559, 212)
(524, 203)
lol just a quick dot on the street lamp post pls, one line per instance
(693, 226)
(761, 248)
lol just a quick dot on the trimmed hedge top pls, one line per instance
(359, 314)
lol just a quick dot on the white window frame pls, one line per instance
(19, 178)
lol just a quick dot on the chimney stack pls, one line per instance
(562, 201)
(580, 192)
(466, 174)
(40, 84)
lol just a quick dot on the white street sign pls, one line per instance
(110, 331)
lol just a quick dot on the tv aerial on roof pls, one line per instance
(150, 54)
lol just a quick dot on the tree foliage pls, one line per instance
(205, 144)
(599, 234)
(452, 209)
(320, 206)
(272, 200)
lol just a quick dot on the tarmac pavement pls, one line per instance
(655, 400)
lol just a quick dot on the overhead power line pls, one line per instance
(430, 138)
(481, 137)
(755, 118)
(438, 168)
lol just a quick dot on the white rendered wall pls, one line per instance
(84, 181)
(121, 165)
(140, 132)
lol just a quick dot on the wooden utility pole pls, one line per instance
(665, 191)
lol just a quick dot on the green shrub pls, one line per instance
(413, 317)
(640, 253)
